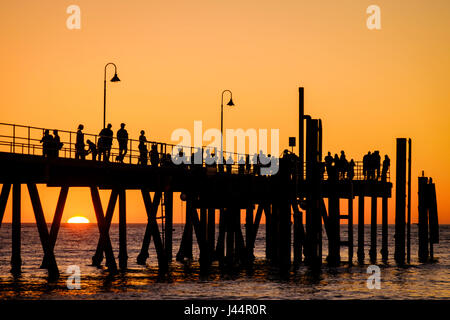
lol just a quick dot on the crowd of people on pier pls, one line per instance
(339, 168)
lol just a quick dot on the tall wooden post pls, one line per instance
(211, 236)
(334, 231)
(301, 114)
(373, 231)
(16, 260)
(423, 219)
(123, 255)
(408, 226)
(350, 230)
(220, 247)
(168, 203)
(400, 199)
(361, 229)
(268, 215)
(204, 236)
(230, 236)
(384, 229)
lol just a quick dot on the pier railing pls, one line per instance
(21, 139)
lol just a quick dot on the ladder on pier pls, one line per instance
(349, 242)
(162, 217)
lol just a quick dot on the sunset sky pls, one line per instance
(175, 57)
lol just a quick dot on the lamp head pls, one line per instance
(115, 78)
(230, 103)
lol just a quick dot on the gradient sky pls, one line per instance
(175, 57)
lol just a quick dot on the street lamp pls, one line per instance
(113, 79)
(230, 103)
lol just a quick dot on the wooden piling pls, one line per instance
(373, 230)
(249, 232)
(423, 219)
(98, 256)
(211, 232)
(298, 234)
(123, 255)
(333, 258)
(400, 199)
(102, 227)
(384, 229)
(56, 223)
(168, 232)
(361, 229)
(220, 247)
(408, 225)
(16, 260)
(230, 237)
(350, 230)
(43, 231)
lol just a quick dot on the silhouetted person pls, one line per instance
(154, 155)
(79, 145)
(105, 142)
(241, 165)
(366, 163)
(248, 165)
(337, 166)
(386, 165)
(91, 149)
(56, 145)
(329, 165)
(351, 170)
(343, 165)
(221, 165)
(255, 160)
(47, 142)
(122, 139)
(143, 159)
(377, 163)
(230, 162)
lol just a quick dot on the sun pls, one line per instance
(78, 219)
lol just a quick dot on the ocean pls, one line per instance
(77, 243)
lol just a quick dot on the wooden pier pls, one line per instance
(298, 203)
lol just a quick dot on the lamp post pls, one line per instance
(230, 103)
(113, 79)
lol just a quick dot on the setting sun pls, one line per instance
(78, 219)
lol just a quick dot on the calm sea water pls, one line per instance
(76, 245)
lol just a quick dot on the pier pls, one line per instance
(300, 202)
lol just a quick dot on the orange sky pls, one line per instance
(174, 59)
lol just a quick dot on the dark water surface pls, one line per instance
(76, 244)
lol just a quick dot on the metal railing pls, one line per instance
(21, 139)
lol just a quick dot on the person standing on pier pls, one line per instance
(329, 165)
(92, 149)
(154, 155)
(79, 145)
(47, 141)
(143, 151)
(122, 139)
(105, 143)
(351, 170)
(57, 145)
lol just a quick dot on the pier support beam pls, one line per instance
(168, 203)
(152, 230)
(384, 229)
(373, 231)
(334, 231)
(299, 234)
(400, 202)
(103, 230)
(350, 231)
(98, 256)
(56, 223)
(16, 260)
(123, 255)
(185, 250)
(361, 229)
(220, 247)
(423, 220)
(249, 232)
(43, 231)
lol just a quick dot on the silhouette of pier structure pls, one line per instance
(299, 202)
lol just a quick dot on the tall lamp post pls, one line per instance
(114, 79)
(230, 103)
